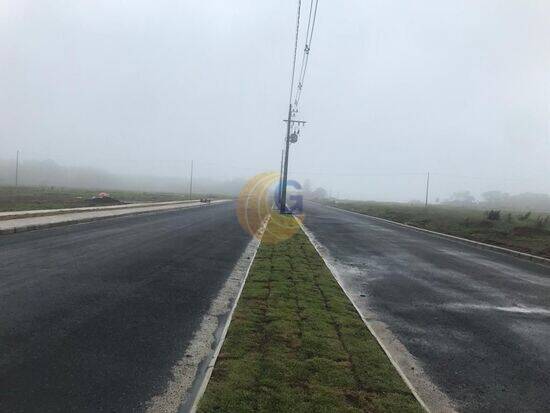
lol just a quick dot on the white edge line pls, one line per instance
(530, 257)
(212, 363)
(372, 331)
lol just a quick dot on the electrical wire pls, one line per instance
(295, 51)
(307, 48)
(305, 56)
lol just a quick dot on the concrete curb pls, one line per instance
(11, 215)
(26, 228)
(533, 258)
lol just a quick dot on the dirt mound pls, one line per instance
(103, 201)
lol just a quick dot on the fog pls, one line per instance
(394, 90)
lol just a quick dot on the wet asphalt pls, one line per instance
(94, 316)
(478, 321)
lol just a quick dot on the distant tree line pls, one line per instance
(49, 173)
(498, 199)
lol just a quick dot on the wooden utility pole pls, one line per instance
(427, 189)
(279, 193)
(191, 183)
(288, 141)
(17, 169)
(285, 166)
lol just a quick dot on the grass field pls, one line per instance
(521, 231)
(297, 344)
(32, 198)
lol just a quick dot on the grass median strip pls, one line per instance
(297, 344)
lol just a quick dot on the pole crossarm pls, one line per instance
(300, 122)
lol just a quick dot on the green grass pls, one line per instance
(32, 198)
(297, 344)
(510, 231)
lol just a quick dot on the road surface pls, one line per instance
(94, 316)
(477, 321)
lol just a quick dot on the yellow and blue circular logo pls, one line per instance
(259, 200)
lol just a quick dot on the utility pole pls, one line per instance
(293, 138)
(17, 169)
(285, 167)
(279, 193)
(427, 189)
(289, 139)
(191, 183)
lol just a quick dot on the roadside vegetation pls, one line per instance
(297, 344)
(523, 231)
(32, 198)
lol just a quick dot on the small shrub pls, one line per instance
(525, 217)
(486, 224)
(509, 217)
(542, 222)
(493, 215)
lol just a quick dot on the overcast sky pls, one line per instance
(394, 89)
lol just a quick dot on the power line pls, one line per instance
(307, 49)
(353, 174)
(295, 51)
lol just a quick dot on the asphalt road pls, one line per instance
(94, 316)
(477, 321)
